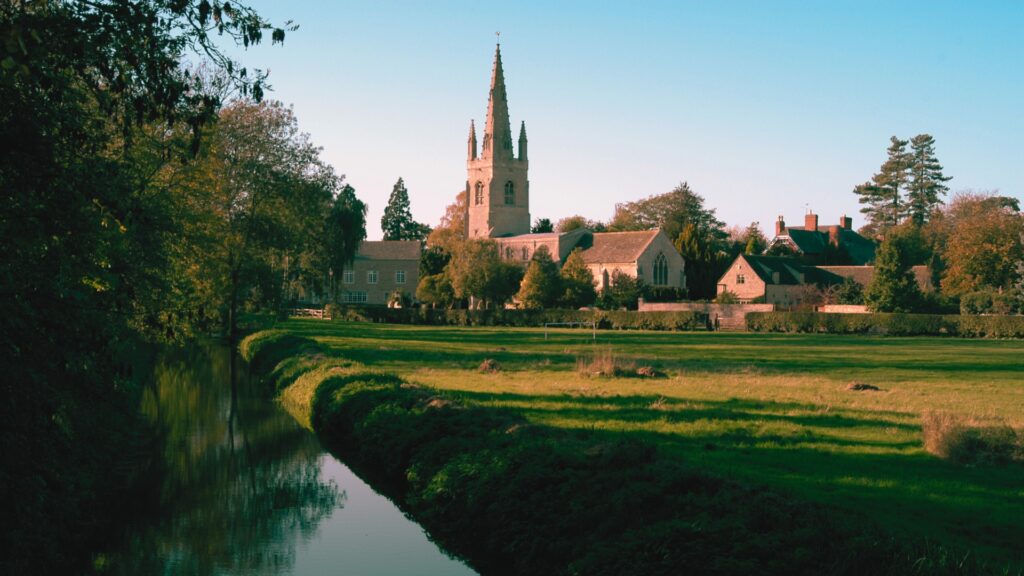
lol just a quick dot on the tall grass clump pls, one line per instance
(971, 441)
(604, 363)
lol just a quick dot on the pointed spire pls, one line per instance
(522, 141)
(472, 140)
(498, 132)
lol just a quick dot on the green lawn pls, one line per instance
(763, 408)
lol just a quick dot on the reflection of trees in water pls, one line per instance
(241, 483)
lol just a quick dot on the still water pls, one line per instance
(242, 489)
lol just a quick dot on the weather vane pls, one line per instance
(498, 35)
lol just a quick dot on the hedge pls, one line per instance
(888, 324)
(614, 320)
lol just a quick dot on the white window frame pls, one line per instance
(348, 277)
(371, 277)
(399, 276)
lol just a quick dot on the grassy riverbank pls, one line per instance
(760, 411)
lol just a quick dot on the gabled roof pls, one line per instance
(618, 246)
(389, 250)
(809, 242)
(864, 274)
(777, 270)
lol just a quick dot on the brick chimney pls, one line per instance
(833, 235)
(846, 222)
(780, 226)
(811, 222)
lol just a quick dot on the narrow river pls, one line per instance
(242, 489)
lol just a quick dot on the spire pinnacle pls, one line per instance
(472, 140)
(498, 132)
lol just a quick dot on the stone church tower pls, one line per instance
(497, 190)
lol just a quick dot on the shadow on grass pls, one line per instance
(909, 492)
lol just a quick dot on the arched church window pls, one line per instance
(510, 193)
(508, 252)
(478, 196)
(660, 270)
(526, 253)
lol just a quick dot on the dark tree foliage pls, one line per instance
(927, 182)
(344, 230)
(705, 263)
(433, 260)
(570, 223)
(85, 242)
(893, 288)
(623, 292)
(882, 196)
(577, 282)
(848, 292)
(542, 225)
(397, 222)
(542, 285)
(672, 212)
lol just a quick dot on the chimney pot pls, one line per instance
(811, 222)
(780, 226)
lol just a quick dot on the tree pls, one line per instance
(927, 182)
(397, 222)
(477, 271)
(570, 223)
(623, 292)
(704, 264)
(577, 282)
(542, 225)
(89, 240)
(344, 230)
(436, 290)
(748, 240)
(541, 286)
(848, 292)
(882, 197)
(671, 211)
(979, 238)
(451, 231)
(893, 288)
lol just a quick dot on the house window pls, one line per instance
(660, 270)
(478, 196)
(371, 277)
(510, 193)
(400, 277)
(354, 297)
(348, 277)
(526, 253)
(741, 279)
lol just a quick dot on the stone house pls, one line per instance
(648, 255)
(785, 281)
(380, 269)
(816, 243)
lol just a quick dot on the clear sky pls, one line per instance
(765, 108)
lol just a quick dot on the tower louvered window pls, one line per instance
(660, 270)
(478, 196)
(510, 193)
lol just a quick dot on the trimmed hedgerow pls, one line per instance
(888, 324)
(606, 319)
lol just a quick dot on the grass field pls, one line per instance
(761, 408)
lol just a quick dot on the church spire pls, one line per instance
(522, 141)
(498, 132)
(472, 140)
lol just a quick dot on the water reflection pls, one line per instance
(243, 489)
(240, 483)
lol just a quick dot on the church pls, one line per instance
(498, 208)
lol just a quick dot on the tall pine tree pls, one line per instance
(927, 182)
(397, 222)
(883, 195)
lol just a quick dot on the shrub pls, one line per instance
(888, 324)
(970, 441)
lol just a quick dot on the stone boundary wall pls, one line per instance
(730, 316)
(843, 309)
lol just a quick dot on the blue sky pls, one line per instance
(765, 108)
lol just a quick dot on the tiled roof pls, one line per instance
(618, 246)
(789, 270)
(389, 250)
(864, 274)
(807, 241)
